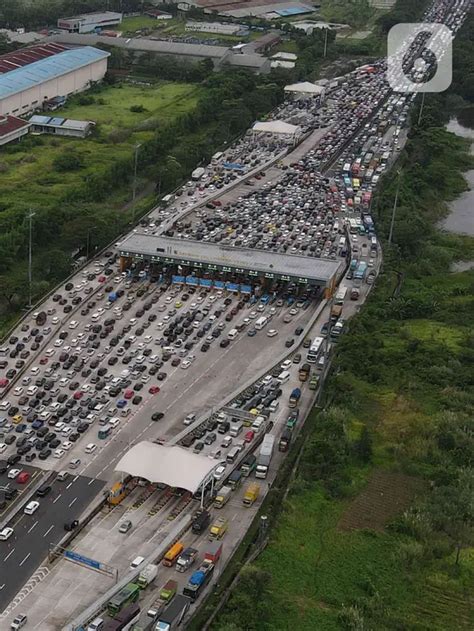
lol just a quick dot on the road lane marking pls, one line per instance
(74, 479)
(2, 586)
(9, 554)
(69, 485)
(74, 500)
(56, 498)
(33, 526)
(48, 531)
(29, 554)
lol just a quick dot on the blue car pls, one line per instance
(37, 424)
(20, 428)
(121, 403)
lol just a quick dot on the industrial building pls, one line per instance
(31, 77)
(60, 126)
(215, 27)
(12, 128)
(90, 22)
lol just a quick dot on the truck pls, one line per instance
(355, 293)
(292, 419)
(213, 552)
(222, 497)
(235, 479)
(303, 372)
(340, 295)
(336, 312)
(198, 173)
(173, 553)
(186, 559)
(156, 608)
(218, 528)
(251, 494)
(285, 440)
(145, 623)
(113, 296)
(248, 465)
(360, 272)
(198, 580)
(265, 455)
(314, 381)
(168, 591)
(294, 398)
(200, 521)
(173, 615)
(147, 575)
(127, 595)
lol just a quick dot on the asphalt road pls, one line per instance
(33, 534)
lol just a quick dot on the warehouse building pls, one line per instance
(12, 128)
(26, 86)
(90, 22)
(60, 126)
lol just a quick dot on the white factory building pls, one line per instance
(90, 22)
(31, 77)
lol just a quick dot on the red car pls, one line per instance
(128, 394)
(43, 361)
(102, 279)
(154, 389)
(78, 395)
(23, 477)
(4, 382)
(249, 436)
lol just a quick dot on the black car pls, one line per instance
(44, 453)
(70, 525)
(289, 342)
(13, 459)
(224, 343)
(30, 457)
(3, 466)
(205, 347)
(157, 416)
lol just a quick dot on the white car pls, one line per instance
(35, 370)
(6, 533)
(286, 365)
(13, 473)
(17, 391)
(272, 333)
(55, 320)
(185, 364)
(26, 381)
(31, 507)
(293, 312)
(73, 324)
(253, 315)
(50, 352)
(58, 453)
(66, 431)
(3, 447)
(66, 445)
(90, 448)
(219, 472)
(59, 342)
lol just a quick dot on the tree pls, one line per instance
(363, 447)
(68, 161)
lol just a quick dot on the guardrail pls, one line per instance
(93, 610)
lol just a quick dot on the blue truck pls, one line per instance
(198, 580)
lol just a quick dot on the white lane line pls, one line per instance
(69, 485)
(9, 554)
(48, 531)
(74, 479)
(32, 527)
(2, 586)
(56, 498)
(29, 554)
(74, 500)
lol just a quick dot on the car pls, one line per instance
(59, 453)
(190, 418)
(272, 333)
(90, 448)
(251, 332)
(6, 533)
(23, 477)
(14, 473)
(296, 358)
(157, 416)
(154, 389)
(19, 622)
(137, 399)
(198, 447)
(125, 526)
(210, 438)
(220, 472)
(289, 343)
(31, 507)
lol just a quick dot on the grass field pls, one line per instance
(28, 174)
(136, 23)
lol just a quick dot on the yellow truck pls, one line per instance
(251, 494)
(218, 528)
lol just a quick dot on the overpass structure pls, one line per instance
(211, 257)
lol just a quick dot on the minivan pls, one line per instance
(96, 625)
(283, 377)
(232, 334)
(137, 561)
(43, 490)
(227, 442)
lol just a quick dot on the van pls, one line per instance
(283, 377)
(232, 455)
(137, 561)
(43, 490)
(62, 475)
(232, 334)
(74, 463)
(273, 407)
(125, 412)
(236, 428)
(96, 625)
(226, 442)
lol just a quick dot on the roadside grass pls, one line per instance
(435, 333)
(136, 23)
(28, 174)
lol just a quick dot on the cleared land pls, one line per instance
(27, 171)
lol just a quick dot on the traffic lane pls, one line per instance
(29, 545)
(7, 483)
(205, 391)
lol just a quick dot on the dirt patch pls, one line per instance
(385, 496)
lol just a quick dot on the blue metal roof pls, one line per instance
(49, 68)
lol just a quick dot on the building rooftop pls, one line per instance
(49, 68)
(56, 121)
(261, 261)
(99, 16)
(9, 124)
(26, 56)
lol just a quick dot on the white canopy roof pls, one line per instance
(171, 465)
(304, 87)
(276, 127)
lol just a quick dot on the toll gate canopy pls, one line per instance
(214, 257)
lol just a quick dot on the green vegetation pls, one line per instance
(357, 13)
(138, 23)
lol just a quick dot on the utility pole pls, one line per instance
(421, 107)
(135, 169)
(31, 214)
(326, 30)
(88, 240)
(395, 204)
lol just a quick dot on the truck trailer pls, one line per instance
(147, 575)
(265, 455)
(173, 615)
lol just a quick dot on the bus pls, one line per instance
(261, 322)
(126, 596)
(314, 350)
(105, 431)
(248, 465)
(340, 295)
(361, 270)
(353, 225)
